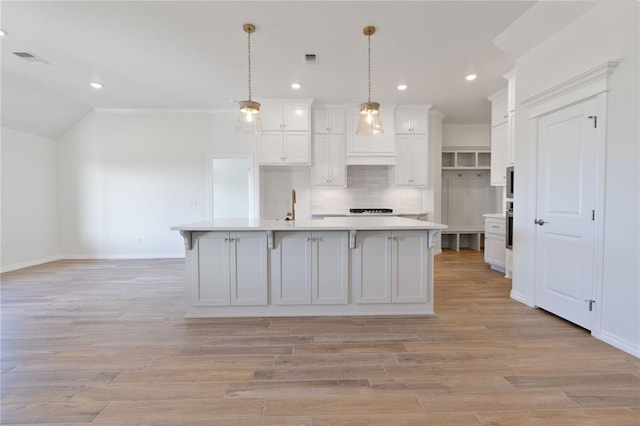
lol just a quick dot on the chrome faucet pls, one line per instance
(292, 214)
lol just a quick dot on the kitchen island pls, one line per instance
(331, 266)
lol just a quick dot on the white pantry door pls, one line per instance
(565, 202)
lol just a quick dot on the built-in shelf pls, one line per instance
(466, 159)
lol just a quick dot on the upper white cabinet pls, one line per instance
(511, 107)
(411, 160)
(285, 139)
(499, 107)
(412, 120)
(371, 150)
(326, 119)
(499, 137)
(329, 166)
(279, 117)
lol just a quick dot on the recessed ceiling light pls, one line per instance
(471, 77)
(296, 86)
(96, 85)
(402, 87)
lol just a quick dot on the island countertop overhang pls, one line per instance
(326, 224)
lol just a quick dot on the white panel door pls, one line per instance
(212, 266)
(478, 201)
(566, 197)
(321, 168)
(372, 267)
(291, 268)
(408, 268)
(458, 208)
(404, 160)
(330, 268)
(248, 268)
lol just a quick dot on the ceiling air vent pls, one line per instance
(311, 59)
(29, 57)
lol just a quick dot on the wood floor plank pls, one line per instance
(336, 405)
(106, 342)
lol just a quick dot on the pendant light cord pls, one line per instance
(249, 61)
(369, 66)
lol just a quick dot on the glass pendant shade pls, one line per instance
(249, 121)
(369, 123)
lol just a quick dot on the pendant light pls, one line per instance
(369, 123)
(249, 121)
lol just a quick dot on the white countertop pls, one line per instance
(494, 215)
(346, 213)
(327, 224)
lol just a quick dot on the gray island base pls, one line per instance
(317, 267)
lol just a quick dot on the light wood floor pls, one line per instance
(105, 342)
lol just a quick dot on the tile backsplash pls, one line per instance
(367, 186)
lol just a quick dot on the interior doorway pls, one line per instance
(232, 187)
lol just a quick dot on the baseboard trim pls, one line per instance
(29, 263)
(622, 344)
(131, 256)
(519, 298)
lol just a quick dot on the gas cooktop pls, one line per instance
(371, 211)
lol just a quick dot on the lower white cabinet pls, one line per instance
(390, 267)
(230, 268)
(310, 268)
(494, 243)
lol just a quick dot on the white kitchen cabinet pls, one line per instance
(327, 119)
(231, 269)
(411, 160)
(511, 110)
(371, 150)
(499, 107)
(499, 140)
(285, 117)
(390, 267)
(310, 268)
(284, 148)
(329, 165)
(494, 242)
(411, 120)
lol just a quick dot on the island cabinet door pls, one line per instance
(330, 268)
(291, 268)
(372, 267)
(248, 268)
(211, 269)
(409, 267)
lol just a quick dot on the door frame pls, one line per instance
(590, 84)
(254, 195)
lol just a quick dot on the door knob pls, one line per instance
(539, 222)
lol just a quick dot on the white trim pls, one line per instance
(253, 182)
(590, 84)
(622, 344)
(125, 256)
(29, 263)
(575, 89)
(167, 110)
(520, 298)
(494, 95)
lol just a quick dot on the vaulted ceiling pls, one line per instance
(193, 55)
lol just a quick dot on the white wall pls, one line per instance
(608, 31)
(126, 177)
(466, 135)
(29, 200)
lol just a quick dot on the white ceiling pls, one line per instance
(183, 55)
